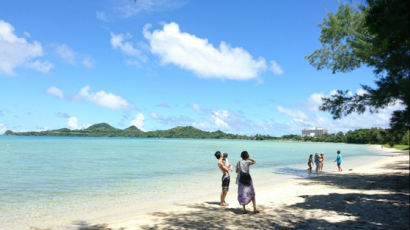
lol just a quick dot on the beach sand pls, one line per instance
(371, 196)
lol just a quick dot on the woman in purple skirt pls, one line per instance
(246, 192)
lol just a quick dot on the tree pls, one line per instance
(375, 35)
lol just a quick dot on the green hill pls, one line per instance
(106, 130)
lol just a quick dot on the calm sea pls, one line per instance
(66, 178)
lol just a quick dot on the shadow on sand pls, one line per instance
(385, 205)
(83, 225)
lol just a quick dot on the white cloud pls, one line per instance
(365, 120)
(73, 123)
(235, 122)
(134, 63)
(333, 92)
(130, 8)
(101, 16)
(172, 121)
(314, 101)
(138, 121)
(196, 107)
(65, 53)
(154, 116)
(87, 62)
(361, 92)
(55, 92)
(353, 121)
(68, 55)
(199, 56)
(3, 128)
(203, 125)
(292, 113)
(104, 99)
(42, 66)
(118, 41)
(220, 119)
(275, 68)
(17, 51)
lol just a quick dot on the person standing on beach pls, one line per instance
(246, 192)
(339, 161)
(225, 177)
(321, 160)
(310, 162)
(317, 162)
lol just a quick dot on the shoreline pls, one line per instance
(277, 195)
(269, 194)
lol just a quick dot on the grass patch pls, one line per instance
(399, 147)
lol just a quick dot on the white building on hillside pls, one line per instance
(318, 131)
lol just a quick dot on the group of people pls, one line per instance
(318, 160)
(246, 192)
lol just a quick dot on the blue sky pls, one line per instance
(236, 66)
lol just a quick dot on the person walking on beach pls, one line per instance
(246, 192)
(339, 161)
(310, 162)
(225, 177)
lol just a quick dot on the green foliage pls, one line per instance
(369, 136)
(292, 137)
(8, 132)
(359, 136)
(399, 147)
(106, 130)
(342, 36)
(374, 35)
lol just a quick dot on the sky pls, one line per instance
(235, 66)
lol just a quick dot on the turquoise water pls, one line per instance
(44, 177)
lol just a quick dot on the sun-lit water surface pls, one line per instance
(49, 177)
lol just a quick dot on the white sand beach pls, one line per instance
(371, 196)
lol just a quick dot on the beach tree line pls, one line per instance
(359, 136)
(374, 34)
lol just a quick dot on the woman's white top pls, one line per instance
(243, 165)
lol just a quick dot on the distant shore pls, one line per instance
(373, 195)
(359, 136)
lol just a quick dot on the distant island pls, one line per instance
(106, 130)
(358, 136)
